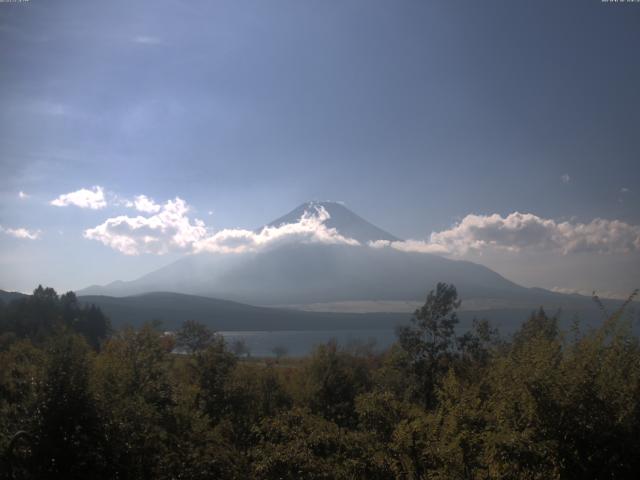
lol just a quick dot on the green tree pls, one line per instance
(252, 393)
(131, 384)
(21, 375)
(430, 339)
(297, 444)
(69, 439)
(538, 325)
(212, 367)
(240, 348)
(193, 337)
(280, 351)
(333, 379)
(42, 314)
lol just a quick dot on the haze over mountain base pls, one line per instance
(316, 285)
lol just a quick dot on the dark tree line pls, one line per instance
(41, 315)
(545, 404)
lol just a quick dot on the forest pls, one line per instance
(80, 400)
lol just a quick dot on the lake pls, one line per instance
(301, 342)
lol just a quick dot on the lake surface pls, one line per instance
(301, 342)
(298, 343)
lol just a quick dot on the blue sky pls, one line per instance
(416, 114)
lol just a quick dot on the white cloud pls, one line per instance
(310, 228)
(147, 40)
(565, 178)
(145, 204)
(525, 232)
(419, 246)
(589, 293)
(624, 190)
(168, 227)
(22, 195)
(21, 233)
(172, 229)
(141, 203)
(157, 234)
(83, 198)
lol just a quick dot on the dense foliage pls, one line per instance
(39, 316)
(91, 403)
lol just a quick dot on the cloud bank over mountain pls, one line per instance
(310, 228)
(172, 229)
(169, 227)
(518, 232)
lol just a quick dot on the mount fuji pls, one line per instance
(341, 218)
(336, 277)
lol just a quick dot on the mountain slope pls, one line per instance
(7, 297)
(174, 308)
(310, 273)
(315, 273)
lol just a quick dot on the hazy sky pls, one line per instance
(416, 114)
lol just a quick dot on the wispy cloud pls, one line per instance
(588, 293)
(419, 246)
(624, 192)
(22, 195)
(53, 108)
(84, 198)
(565, 178)
(147, 40)
(21, 233)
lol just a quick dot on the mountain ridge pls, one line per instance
(172, 309)
(317, 273)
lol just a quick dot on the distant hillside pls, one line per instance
(6, 297)
(174, 308)
(222, 315)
